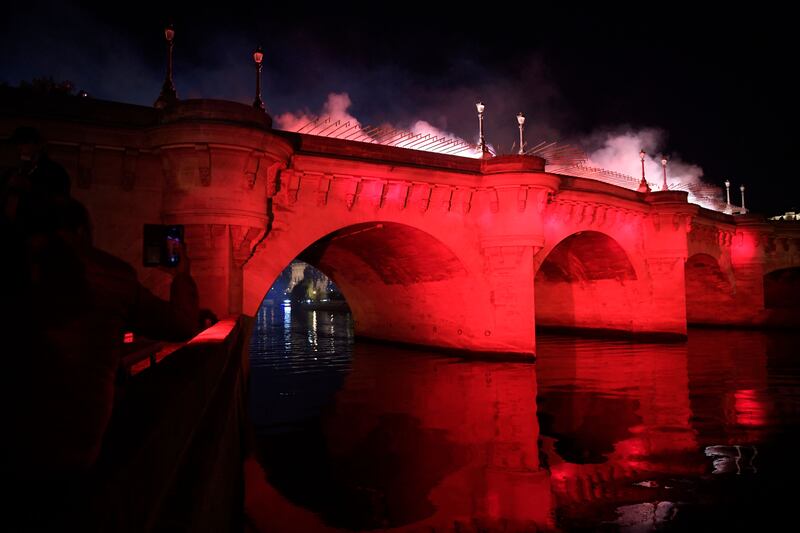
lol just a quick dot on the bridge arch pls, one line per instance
(401, 282)
(587, 279)
(710, 294)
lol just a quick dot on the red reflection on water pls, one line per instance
(484, 418)
(417, 441)
(423, 441)
(751, 409)
(609, 412)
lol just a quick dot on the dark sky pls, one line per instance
(717, 83)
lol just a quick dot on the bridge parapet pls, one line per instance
(190, 405)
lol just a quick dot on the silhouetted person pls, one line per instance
(207, 318)
(73, 304)
(82, 290)
(35, 171)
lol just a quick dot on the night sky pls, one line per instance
(714, 85)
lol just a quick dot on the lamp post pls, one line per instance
(643, 186)
(258, 57)
(168, 94)
(664, 187)
(728, 194)
(521, 122)
(482, 143)
(743, 208)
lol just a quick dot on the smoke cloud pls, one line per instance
(619, 151)
(336, 108)
(423, 127)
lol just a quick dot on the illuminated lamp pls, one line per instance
(744, 210)
(643, 186)
(168, 93)
(258, 58)
(728, 193)
(482, 143)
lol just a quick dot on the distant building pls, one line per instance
(789, 215)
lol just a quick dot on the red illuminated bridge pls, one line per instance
(428, 248)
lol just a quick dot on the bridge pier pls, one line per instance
(662, 308)
(511, 222)
(510, 275)
(748, 262)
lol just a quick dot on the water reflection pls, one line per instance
(596, 435)
(613, 413)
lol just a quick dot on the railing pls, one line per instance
(173, 455)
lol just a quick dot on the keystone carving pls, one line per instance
(597, 215)
(405, 192)
(494, 201)
(291, 179)
(466, 200)
(447, 200)
(423, 197)
(323, 188)
(522, 199)
(601, 216)
(252, 169)
(383, 192)
(352, 193)
(681, 219)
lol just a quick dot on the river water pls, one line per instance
(596, 435)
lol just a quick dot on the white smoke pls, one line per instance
(336, 108)
(620, 152)
(423, 127)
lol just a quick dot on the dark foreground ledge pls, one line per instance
(173, 455)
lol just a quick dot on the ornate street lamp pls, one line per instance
(664, 166)
(482, 143)
(643, 186)
(728, 193)
(168, 94)
(258, 57)
(521, 122)
(743, 208)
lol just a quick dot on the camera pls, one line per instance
(162, 245)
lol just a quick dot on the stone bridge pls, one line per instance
(427, 248)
